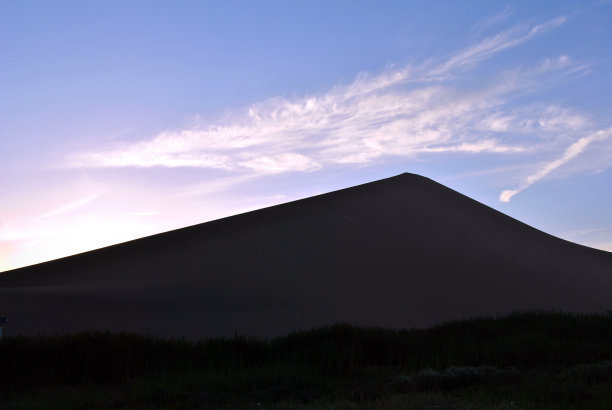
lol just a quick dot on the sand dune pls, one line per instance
(399, 252)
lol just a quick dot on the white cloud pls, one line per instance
(559, 62)
(281, 163)
(507, 194)
(493, 20)
(546, 121)
(411, 111)
(478, 146)
(357, 123)
(571, 152)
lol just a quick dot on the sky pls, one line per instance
(122, 119)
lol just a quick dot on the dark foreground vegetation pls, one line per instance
(525, 360)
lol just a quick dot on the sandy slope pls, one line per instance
(400, 252)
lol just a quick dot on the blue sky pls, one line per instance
(124, 119)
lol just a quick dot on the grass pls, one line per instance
(524, 360)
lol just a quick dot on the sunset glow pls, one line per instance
(122, 120)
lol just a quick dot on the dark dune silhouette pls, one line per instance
(399, 252)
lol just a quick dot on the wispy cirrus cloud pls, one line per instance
(69, 207)
(493, 45)
(411, 111)
(493, 20)
(22, 233)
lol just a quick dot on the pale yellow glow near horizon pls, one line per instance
(81, 235)
(44, 239)
(4, 264)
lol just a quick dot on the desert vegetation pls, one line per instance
(524, 360)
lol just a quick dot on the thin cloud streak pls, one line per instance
(571, 152)
(493, 20)
(493, 45)
(69, 207)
